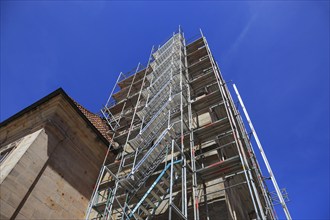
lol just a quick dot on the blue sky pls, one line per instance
(277, 53)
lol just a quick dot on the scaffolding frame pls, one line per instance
(264, 157)
(154, 119)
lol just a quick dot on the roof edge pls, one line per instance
(48, 97)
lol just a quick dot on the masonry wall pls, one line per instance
(52, 171)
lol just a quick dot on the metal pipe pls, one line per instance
(236, 134)
(255, 164)
(264, 157)
(231, 186)
(205, 201)
(152, 186)
(94, 195)
(113, 89)
(184, 169)
(260, 206)
(108, 150)
(129, 132)
(192, 144)
(171, 182)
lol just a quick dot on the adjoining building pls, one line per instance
(183, 151)
(50, 156)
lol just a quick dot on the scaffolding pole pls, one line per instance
(184, 207)
(192, 144)
(108, 209)
(94, 194)
(264, 157)
(255, 163)
(245, 165)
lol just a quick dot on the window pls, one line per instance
(5, 151)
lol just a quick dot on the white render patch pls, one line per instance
(16, 154)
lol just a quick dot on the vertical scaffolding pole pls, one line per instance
(108, 209)
(184, 207)
(245, 165)
(113, 89)
(171, 182)
(94, 194)
(255, 164)
(264, 157)
(192, 144)
(205, 201)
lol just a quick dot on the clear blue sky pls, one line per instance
(276, 52)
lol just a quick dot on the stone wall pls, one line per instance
(51, 172)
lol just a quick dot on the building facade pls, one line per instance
(50, 154)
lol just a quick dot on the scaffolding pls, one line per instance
(180, 143)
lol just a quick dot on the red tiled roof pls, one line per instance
(99, 123)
